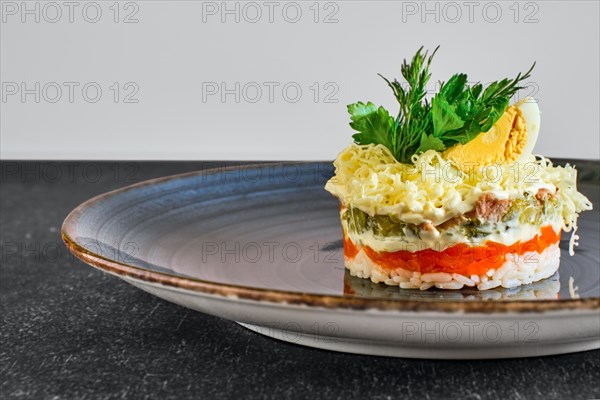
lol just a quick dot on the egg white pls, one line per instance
(531, 112)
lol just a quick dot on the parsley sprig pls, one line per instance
(456, 114)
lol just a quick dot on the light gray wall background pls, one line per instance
(270, 80)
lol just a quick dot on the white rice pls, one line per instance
(517, 270)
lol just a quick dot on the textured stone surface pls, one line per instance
(69, 331)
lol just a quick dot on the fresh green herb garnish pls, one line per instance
(456, 114)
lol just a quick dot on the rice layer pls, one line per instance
(518, 269)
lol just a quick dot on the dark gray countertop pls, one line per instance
(70, 331)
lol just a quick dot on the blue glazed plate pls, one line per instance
(261, 245)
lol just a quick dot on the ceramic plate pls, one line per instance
(261, 245)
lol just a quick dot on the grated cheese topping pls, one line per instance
(434, 190)
(573, 289)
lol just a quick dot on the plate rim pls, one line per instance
(282, 296)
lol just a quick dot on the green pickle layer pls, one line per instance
(527, 210)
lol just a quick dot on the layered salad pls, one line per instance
(447, 192)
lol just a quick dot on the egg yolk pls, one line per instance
(502, 144)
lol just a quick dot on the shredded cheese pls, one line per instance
(434, 190)
(573, 289)
(574, 241)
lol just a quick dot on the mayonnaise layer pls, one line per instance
(506, 233)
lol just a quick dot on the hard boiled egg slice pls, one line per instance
(512, 138)
(531, 113)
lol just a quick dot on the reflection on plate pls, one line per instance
(261, 245)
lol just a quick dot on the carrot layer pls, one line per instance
(462, 258)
